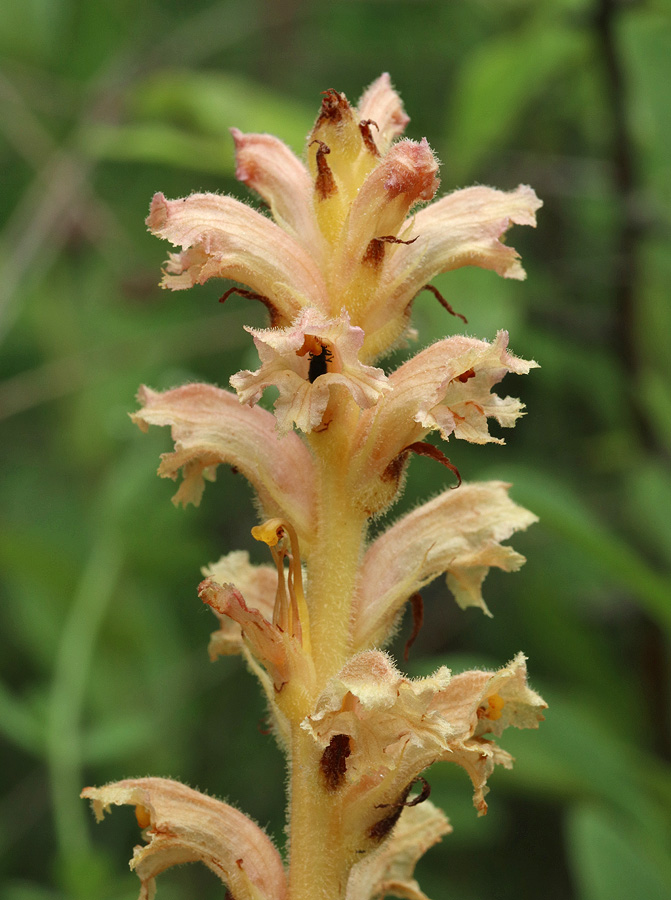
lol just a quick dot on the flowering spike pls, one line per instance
(338, 263)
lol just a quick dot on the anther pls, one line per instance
(423, 448)
(375, 250)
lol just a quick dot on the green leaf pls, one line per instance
(498, 82)
(213, 102)
(562, 510)
(645, 37)
(158, 142)
(612, 859)
(17, 724)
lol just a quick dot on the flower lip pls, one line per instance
(221, 237)
(187, 826)
(304, 361)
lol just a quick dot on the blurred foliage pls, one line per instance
(104, 672)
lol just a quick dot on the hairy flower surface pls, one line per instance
(210, 427)
(390, 870)
(350, 240)
(344, 233)
(258, 584)
(398, 727)
(458, 534)
(304, 361)
(183, 825)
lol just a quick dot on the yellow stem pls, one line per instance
(336, 551)
(320, 861)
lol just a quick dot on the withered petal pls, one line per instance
(390, 870)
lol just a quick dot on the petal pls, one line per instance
(406, 175)
(463, 228)
(381, 103)
(184, 825)
(446, 387)
(465, 701)
(455, 377)
(390, 870)
(223, 238)
(210, 427)
(269, 167)
(389, 719)
(480, 703)
(257, 583)
(289, 666)
(398, 727)
(288, 364)
(458, 533)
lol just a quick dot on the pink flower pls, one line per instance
(183, 825)
(304, 361)
(395, 728)
(458, 534)
(343, 234)
(446, 387)
(210, 427)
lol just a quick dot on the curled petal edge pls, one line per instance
(390, 870)
(458, 533)
(183, 825)
(210, 427)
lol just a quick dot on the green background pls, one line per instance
(104, 671)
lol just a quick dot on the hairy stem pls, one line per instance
(320, 862)
(334, 560)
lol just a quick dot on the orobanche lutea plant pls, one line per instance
(338, 267)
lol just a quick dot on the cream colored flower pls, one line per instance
(458, 534)
(304, 361)
(351, 238)
(183, 825)
(280, 642)
(395, 728)
(210, 427)
(345, 233)
(447, 387)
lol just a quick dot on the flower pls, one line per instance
(390, 870)
(210, 427)
(343, 233)
(458, 533)
(352, 237)
(183, 825)
(282, 645)
(304, 361)
(446, 387)
(258, 584)
(396, 728)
